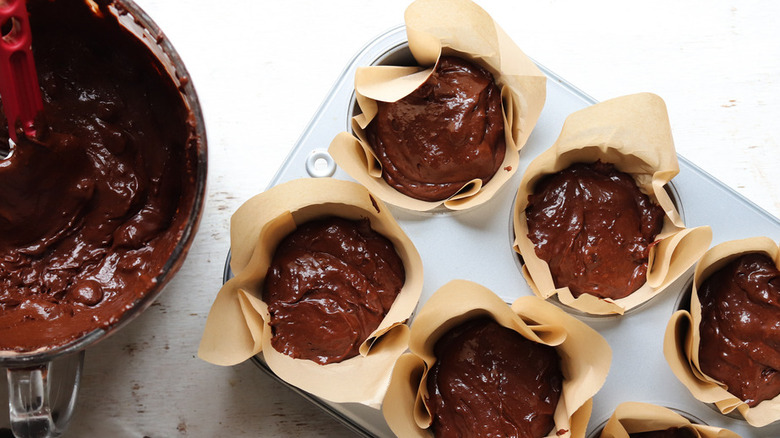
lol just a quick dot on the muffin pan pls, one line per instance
(476, 245)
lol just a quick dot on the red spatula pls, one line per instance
(19, 87)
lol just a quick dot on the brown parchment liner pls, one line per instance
(435, 28)
(633, 133)
(237, 326)
(681, 341)
(635, 417)
(585, 355)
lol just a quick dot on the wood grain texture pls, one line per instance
(261, 70)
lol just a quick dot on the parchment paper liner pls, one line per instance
(681, 341)
(237, 326)
(634, 417)
(633, 133)
(585, 355)
(449, 27)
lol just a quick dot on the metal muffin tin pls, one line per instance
(476, 245)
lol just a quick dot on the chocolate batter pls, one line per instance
(444, 134)
(740, 327)
(489, 380)
(330, 284)
(91, 210)
(672, 432)
(594, 228)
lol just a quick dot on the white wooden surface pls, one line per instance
(261, 69)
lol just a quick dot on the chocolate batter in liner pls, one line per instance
(690, 331)
(238, 325)
(329, 285)
(446, 133)
(738, 343)
(489, 380)
(594, 228)
(92, 209)
(584, 356)
(645, 420)
(467, 32)
(633, 134)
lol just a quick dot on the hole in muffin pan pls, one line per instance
(674, 195)
(319, 164)
(399, 55)
(690, 417)
(519, 261)
(684, 299)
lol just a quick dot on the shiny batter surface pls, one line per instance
(594, 228)
(89, 210)
(740, 327)
(330, 284)
(672, 432)
(490, 381)
(444, 134)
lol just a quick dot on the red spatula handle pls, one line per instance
(19, 86)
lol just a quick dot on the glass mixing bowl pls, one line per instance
(42, 385)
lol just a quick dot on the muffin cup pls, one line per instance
(681, 341)
(237, 326)
(435, 28)
(633, 133)
(634, 417)
(585, 355)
